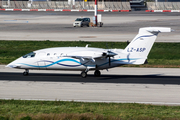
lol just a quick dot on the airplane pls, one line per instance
(87, 58)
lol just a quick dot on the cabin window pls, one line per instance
(29, 55)
(48, 54)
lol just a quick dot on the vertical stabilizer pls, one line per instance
(141, 45)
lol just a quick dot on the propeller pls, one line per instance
(109, 61)
(109, 54)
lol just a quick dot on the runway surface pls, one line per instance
(139, 85)
(57, 26)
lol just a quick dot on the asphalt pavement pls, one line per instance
(121, 85)
(57, 26)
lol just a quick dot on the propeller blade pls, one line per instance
(109, 61)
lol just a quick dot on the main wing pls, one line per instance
(91, 55)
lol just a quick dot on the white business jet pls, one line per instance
(87, 58)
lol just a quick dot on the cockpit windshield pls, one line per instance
(29, 55)
(79, 19)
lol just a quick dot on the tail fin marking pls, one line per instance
(141, 45)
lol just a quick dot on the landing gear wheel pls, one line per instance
(83, 74)
(97, 73)
(25, 73)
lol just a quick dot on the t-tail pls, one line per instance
(139, 48)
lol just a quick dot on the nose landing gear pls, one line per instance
(83, 74)
(26, 72)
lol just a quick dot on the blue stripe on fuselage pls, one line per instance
(72, 60)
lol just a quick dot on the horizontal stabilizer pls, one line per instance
(156, 29)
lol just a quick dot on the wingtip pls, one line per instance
(172, 30)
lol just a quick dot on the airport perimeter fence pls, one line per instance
(163, 5)
(79, 5)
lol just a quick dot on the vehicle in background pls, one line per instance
(81, 22)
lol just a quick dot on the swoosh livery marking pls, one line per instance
(72, 60)
(57, 62)
(118, 60)
(143, 36)
(53, 63)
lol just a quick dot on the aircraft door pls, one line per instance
(41, 61)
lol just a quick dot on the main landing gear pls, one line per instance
(83, 74)
(26, 72)
(97, 73)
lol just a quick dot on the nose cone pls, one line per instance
(14, 64)
(9, 65)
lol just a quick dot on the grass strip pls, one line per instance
(161, 55)
(61, 110)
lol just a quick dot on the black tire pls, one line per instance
(25, 73)
(83, 74)
(97, 73)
